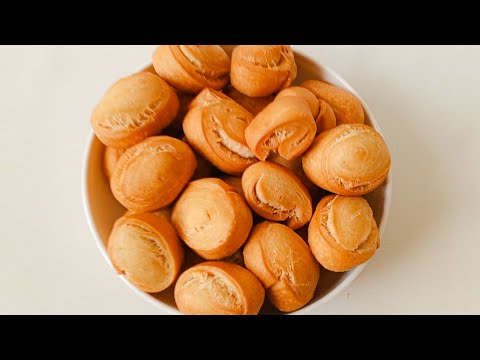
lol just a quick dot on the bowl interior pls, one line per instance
(102, 209)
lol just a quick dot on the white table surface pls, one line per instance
(426, 98)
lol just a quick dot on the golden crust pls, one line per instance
(134, 108)
(282, 261)
(151, 174)
(307, 95)
(218, 288)
(261, 70)
(146, 249)
(110, 158)
(212, 218)
(251, 104)
(191, 68)
(285, 126)
(347, 108)
(326, 119)
(276, 193)
(350, 160)
(215, 127)
(343, 233)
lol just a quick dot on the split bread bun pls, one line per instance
(134, 108)
(276, 193)
(215, 127)
(285, 126)
(343, 233)
(212, 218)
(151, 174)
(191, 68)
(218, 288)
(284, 264)
(145, 248)
(261, 70)
(347, 108)
(349, 160)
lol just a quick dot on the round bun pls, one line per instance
(343, 232)
(261, 70)
(284, 264)
(276, 193)
(212, 218)
(191, 68)
(350, 160)
(218, 288)
(151, 174)
(146, 249)
(134, 108)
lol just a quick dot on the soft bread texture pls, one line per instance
(350, 160)
(276, 193)
(146, 249)
(218, 288)
(261, 70)
(134, 108)
(251, 104)
(215, 127)
(212, 218)
(283, 263)
(151, 174)
(191, 68)
(285, 126)
(343, 232)
(347, 108)
(110, 158)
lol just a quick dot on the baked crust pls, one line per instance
(133, 109)
(251, 104)
(191, 68)
(350, 160)
(343, 233)
(218, 288)
(110, 158)
(276, 193)
(347, 108)
(261, 70)
(212, 218)
(145, 248)
(151, 174)
(215, 127)
(284, 264)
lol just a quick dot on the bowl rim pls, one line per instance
(308, 309)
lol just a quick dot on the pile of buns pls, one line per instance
(238, 186)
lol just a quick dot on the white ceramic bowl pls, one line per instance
(101, 208)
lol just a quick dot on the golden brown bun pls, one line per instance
(261, 70)
(326, 119)
(151, 174)
(191, 68)
(218, 288)
(110, 159)
(147, 250)
(283, 263)
(251, 104)
(134, 108)
(215, 127)
(347, 108)
(307, 95)
(166, 213)
(276, 193)
(285, 126)
(349, 160)
(212, 219)
(175, 129)
(343, 232)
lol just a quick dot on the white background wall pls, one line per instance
(426, 98)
